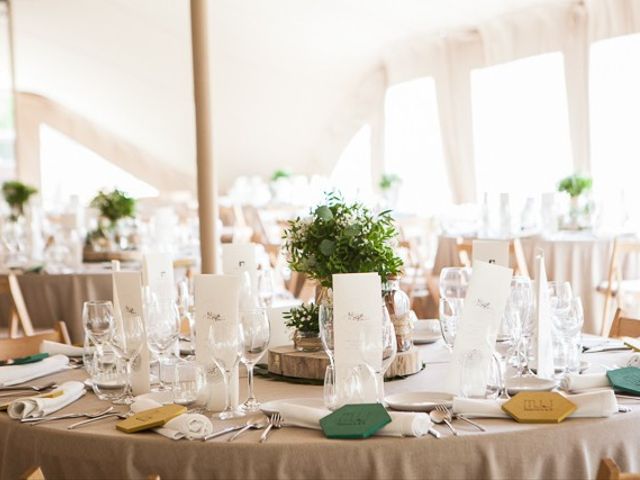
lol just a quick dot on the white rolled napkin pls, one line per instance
(403, 424)
(600, 403)
(56, 348)
(575, 382)
(192, 426)
(32, 407)
(15, 374)
(634, 360)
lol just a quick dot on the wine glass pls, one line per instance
(127, 341)
(226, 346)
(454, 282)
(163, 330)
(389, 351)
(518, 318)
(265, 287)
(97, 318)
(254, 330)
(560, 296)
(450, 316)
(325, 321)
(568, 328)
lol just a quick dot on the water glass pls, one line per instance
(450, 316)
(97, 319)
(265, 287)
(189, 380)
(454, 282)
(254, 333)
(88, 352)
(109, 375)
(481, 375)
(349, 390)
(127, 342)
(226, 347)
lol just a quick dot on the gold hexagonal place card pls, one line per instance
(539, 407)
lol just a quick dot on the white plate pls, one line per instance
(529, 384)
(269, 408)
(426, 331)
(418, 401)
(424, 338)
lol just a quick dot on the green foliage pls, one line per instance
(388, 180)
(114, 205)
(342, 238)
(17, 194)
(278, 174)
(575, 185)
(304, 318)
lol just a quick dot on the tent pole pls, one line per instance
(207, 191)
(14, 91)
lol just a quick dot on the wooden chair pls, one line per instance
(19, 314)
(624, 326)
(30, 344)
(33, 473)
(609, 470)
(614, 284)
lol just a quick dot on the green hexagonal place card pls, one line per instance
(625, 379)
(355, 421)
(539, 407)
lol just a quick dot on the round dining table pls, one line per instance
(507, 450)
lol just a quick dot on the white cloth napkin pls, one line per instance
(15, 374)
(56, 348)
(192, 426)
(403, 424)
(575, 382)
(601, 403)
(634, 360)
(39, 407)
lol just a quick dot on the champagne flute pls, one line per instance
(226, 346)
(97, 318)
(450, 317)
(163, 330)
(127, 341)
(254, 330)
(325, 320)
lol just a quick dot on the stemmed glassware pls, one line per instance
(389, 351)
(254, 333)
(97, 318)
(519, 321)
(226, 346)
(127, 342)
(450, 317)
(325, 321)
(265, 287)
(568, 325)
(454, 282)
(163, 330)
(185, 303)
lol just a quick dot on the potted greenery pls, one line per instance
(389, 186)
(280, 186)
(341, 237)
(577, 187)
(17, 195)
(304, 320)
(113, 206)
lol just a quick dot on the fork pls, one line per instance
(275, 421)
(447, 416)
(39, 420)
(35, 388)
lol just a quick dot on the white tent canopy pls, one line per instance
(293, 79)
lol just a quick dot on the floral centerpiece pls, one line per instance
(577, 187)
(389, 186)
(17, 195)
(113, 206)
(341, 237)
(304, 320)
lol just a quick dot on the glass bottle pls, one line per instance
(399, 308)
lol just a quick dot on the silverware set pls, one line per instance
(11, 391)
(441, 414)
(93, 414)
(274, 421)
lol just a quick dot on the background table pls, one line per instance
(508, 450)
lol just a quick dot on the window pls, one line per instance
(413, 147)
(352, 174)
(521, 126)
(68, 168)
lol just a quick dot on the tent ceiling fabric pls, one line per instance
(293, 79)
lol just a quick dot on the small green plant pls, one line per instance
(388, 181)
(114, 205)
(575, 185)
(303, 318)
(279, 174)
(341, 237)
(17, 194)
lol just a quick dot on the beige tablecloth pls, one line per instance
(579, 258)
(508, 450)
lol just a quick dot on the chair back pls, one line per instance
(33, 473)
(624, 326)
(29, 345)
(609, 470)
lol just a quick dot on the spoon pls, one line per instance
(253, 426)
(440, 417)
(37, 421)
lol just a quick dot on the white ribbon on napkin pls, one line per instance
(192, 426)
(32, 407)
(57, 348)
(601, 403)
(15, 374)
(403, 424)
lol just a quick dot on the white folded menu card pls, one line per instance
(57, 348)
(32, 407)
(127, 299)
(491, 251)
(238, 258)
(157, 269)
(599, 403)
(403, 424)
(216, 301)
(478, 329)
(357, 314)
(15, 374)
(542, 341)
(191, 426)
